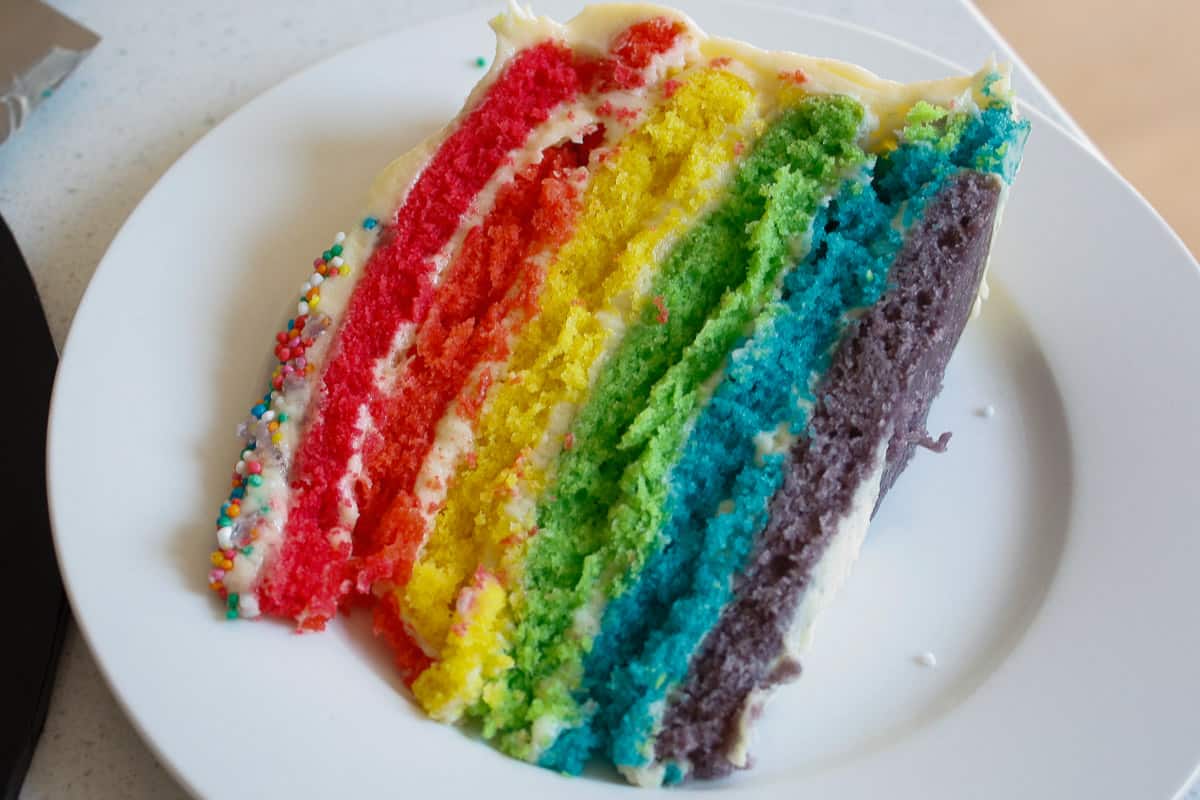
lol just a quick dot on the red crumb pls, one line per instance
(661, 305)
(796, 76)
(472, 459)
(739, 147)
(569, 442)
(721, 63)
(519, 464)
(626, 114)
(670, 87)
(631, 52)
(470, 402)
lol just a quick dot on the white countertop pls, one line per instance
(164, 74)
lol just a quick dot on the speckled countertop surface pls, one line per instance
(164, 74)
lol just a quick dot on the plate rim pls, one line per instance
(56, 492)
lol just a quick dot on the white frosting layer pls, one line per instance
(886, 102)
(826, 578)
(591, 32)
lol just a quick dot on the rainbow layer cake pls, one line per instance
(594, 404)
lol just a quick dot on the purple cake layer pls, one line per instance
(878, 390)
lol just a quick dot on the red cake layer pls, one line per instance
(308, 577)
(489, 292)
(395, 289)
(410, 660)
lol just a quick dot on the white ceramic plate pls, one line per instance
(1049, 560)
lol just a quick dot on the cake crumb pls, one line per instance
(926, 659)
(663, 313)
(987, 412)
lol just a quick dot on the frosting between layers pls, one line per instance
(886, 103)
(548, 459)
(746, 245)
(828, 575)
(588, 297)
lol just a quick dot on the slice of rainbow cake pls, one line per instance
(594, 404)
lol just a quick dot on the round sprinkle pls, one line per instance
(341, 237)
(369, 223)
(302, 307)
(987, 412)
(258, 410)
(927, 659)
(317, 280)
(337, 262)
(282, 417)
(254, 468)
(480, 62)
(254, 480)
(225, 537)
(267, 416)
(336, 250)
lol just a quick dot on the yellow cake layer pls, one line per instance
(662, 174)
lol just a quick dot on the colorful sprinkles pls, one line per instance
(241, 517)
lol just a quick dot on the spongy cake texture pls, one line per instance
(593, 407)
